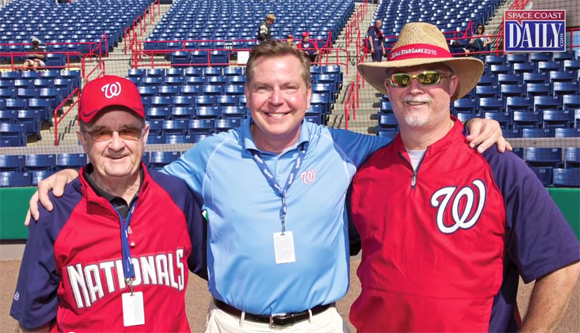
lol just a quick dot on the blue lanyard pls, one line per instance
(128, 269)
(274, 184)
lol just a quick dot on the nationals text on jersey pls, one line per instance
(87, 285)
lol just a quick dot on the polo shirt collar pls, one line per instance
(248, 143)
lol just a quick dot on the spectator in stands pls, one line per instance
(66, 279)
(309, 48)
(290, 41)
(36, 57)
(445, 250)
(376, 41)
(479, 42)
(290, 179)
(264, 30)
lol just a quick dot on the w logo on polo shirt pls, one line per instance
(463, 204)
(308, 176)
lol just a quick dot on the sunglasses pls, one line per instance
(425, 78)
(128, 133)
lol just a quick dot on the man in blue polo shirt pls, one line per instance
(274, 195)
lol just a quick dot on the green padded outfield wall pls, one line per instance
(14, 204)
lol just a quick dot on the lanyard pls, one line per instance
(128, 269)
(274, 184)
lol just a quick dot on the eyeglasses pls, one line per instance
(425, 78)
(129, 133)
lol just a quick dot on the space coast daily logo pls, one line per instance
(464, 205)
(89, 283)
(535, 31)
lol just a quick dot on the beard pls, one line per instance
(416, 120)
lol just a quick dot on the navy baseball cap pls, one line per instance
(106, 91)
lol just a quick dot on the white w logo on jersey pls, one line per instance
(459, 218)
(111, 89)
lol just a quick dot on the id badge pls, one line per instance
(284, 247)
(133, 309)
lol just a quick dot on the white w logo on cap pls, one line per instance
(111, 89)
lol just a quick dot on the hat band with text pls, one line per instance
(413, 51)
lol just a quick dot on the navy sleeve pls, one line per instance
(539, 240)
(35, 301)
(196, 224)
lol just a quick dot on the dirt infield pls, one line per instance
(198, 299)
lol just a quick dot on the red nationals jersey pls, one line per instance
(443, 245)
(72, 268)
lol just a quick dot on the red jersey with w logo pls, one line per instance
(440, 242)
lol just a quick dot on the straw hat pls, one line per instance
(271, 17)
(420, 44)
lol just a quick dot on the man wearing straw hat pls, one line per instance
(446, 231)
(264, 31)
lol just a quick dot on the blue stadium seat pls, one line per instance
(234, 89)
(556, 118)
(563, 76)
(572, 157)
(544, 102)
(512, 133)
(509, 78)
(152, 81)
(569, 177)
(32, 120)
(64, 161)
(236, 79)
(571, 102)
(182, 100)
(486, 91)
(218, 80)
(515, 90)
(174, 81)
(159, 159)
(12, 135)
(182, 112)
(535, 77)
(517, 58)
(526, 67)
(518, 103)
(180, 58)
(561, 56)
(233, 71)
(544, 174)
(207, 112)
(194, 80)
(492, 104)
(191, 90)
(549, 66)
(387, 121)
(193, 71)
(15, 179)
(174, 72)
(567, 132)
(40, 162)
(526, 119)
(540, 56)
(200, 126)
(538, 89)
(225, 100)
(167, 90)
(156, 139)
(172, 139)
(537, 132)
(503, 118)
(571, 65)
(464, 116)
(565, 88)
(237, 112)
(540, 156)
(174, 127)
(12, 163)
(499, 69)
(222, 125)
(38, 175)
(155, 72)
(219, 58)
(203, 100)
(387, 107)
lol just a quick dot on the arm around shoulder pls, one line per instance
(550, 298)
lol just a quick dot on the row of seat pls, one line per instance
(447, 15)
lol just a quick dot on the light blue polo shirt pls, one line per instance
(243, 213)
